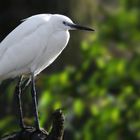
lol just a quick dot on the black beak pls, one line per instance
(79, 27)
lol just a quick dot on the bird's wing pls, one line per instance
(27, 27)
(22, 45)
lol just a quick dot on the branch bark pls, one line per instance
(31, 134)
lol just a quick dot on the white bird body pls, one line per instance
(32, 46)
(35, 44)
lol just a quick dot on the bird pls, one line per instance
(30, 48)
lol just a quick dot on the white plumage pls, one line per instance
(34, 44)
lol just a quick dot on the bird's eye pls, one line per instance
(64, 22)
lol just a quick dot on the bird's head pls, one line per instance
(61, 22)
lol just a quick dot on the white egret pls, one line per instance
(31, 47)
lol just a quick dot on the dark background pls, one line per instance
(96, 80)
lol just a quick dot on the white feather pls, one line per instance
(32, 46)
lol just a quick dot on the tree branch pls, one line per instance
(31, 134)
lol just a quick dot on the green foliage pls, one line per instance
(100, 96)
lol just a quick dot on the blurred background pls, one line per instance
(96, 80)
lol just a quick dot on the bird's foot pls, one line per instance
(37, 133)
(40, 131)
(27, 128)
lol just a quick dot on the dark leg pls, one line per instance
(25, 84)
(19, 104)
(33, 92)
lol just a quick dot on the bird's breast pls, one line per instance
(56, 43)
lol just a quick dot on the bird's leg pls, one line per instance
(19, 104)
(25, 84)
(33, 92)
